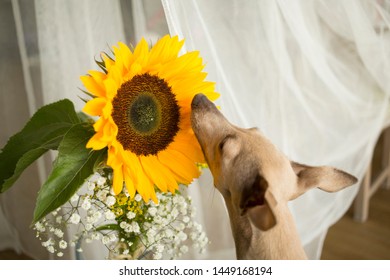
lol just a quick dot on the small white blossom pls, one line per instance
(157, 219)
(168, 233)
(157, 256)
(175, 213)
(102, 195)
(74, 198)
(86, 205)
(60, 254)
(95, 236)
(130, 215)
(138, 197)
(88, 227)
(51, 249)
(152, 211)
(59, 233)
(135, 227)
(75, 218)
(123, 225)
(109, 215)
(48, 243)
(159, 248)
(184, 249)
(182, 236)
(59, 219)
(110, 200)
(105, 240)
(40, 227)
(63, 244)
(113, 237)
(101, 181)
(90, 186)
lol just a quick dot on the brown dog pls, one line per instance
(256, 181)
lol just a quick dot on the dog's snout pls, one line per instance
(198, 100)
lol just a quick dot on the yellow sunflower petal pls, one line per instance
(129, 182)
(182, 66)
(108, 62)
(165, 50)
(153, 170)
(94, 107)
(187, 144)
(117, 183)
(145, 187)
(181, 166)
(107, 110)
(96, 143)
(98, 76)
(92, 86)
(126, 55)
(141, 53)
(110, 131)
(111, 88)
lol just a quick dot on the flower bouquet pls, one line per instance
(123, 164)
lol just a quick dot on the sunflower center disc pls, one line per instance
(147, 115)
(144, 114)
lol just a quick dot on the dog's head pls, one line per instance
(250, 172)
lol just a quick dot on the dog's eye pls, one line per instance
(222, 144)
(224, 141)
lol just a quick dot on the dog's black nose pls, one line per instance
(198, 100)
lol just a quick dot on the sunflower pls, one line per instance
(143, 101)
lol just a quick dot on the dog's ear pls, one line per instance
(326, 178)
(257, 202)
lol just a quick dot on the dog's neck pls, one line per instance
(280, 242)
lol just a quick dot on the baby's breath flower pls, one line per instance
(51, 249)
(110, 201)
(109, 215)
(123, 225)
(152, 211)
(101, 181)
(40, 227)
(102, 195)
(90, 186)
(184, 249)
(130, 215)
(58, 219)
(75, 218)
(86, 203)
(162, 228)
(59, 233)
(105, 240)
(157, 256)
(135, 227)
(74, 198)
(182, 236)
(63, 244)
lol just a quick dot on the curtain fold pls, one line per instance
(312, 75)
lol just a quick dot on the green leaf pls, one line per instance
(73, 165)
(44, 131)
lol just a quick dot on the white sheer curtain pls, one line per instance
(312, 75)
(55, 43)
